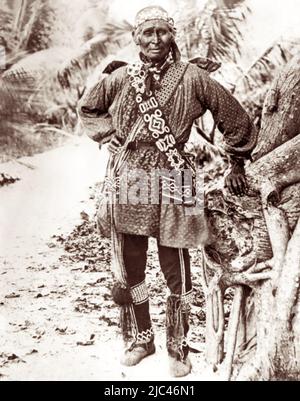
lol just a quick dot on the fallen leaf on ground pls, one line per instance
(34, 351)
(61, 330)
(12, 295)
(25, 325)
(86, 343)
(38, 334)
(14, 358)
(6, 179)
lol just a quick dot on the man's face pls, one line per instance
(155, 40)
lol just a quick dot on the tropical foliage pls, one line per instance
(43, 50)
(214, 31)
(50, 53)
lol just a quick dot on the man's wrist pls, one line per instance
(236, 161)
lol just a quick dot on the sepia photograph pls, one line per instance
(149, 193)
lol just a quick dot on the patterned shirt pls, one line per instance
(112, 101)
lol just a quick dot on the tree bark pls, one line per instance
(254, 246)
(281, 112)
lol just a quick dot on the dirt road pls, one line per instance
(57, 320)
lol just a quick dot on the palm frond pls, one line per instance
(224, 35)
(106, 42)
(117, 31)
(6, 28)
(14, 98)
(23, 87)
(16, 21)
(253, 84)
(27, 29)
(229, 3)
(265, 66)
(215, 31)
(38, 65)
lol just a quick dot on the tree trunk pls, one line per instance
(281, 112)
(255, 248)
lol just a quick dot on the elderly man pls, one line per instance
(151, 107)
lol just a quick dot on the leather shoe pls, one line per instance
(179, 368)
(136, 353)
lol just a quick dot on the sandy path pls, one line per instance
(43, 335)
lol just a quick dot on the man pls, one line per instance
(152, 106)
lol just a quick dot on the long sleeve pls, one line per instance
(94, 107)
(232, 120)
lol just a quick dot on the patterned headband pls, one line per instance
(152, 13)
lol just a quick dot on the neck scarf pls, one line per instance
(155, 71)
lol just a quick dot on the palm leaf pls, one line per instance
(117, 31)
(16, 20)
(106, 42)
(218, 28)
(87, 55)
(15, 97)
(38, 65)
(34, 10)
(24, 85)
(265, 66)
(252, 85)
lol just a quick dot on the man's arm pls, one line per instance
(93, 108)
(234, 123)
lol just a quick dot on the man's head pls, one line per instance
(154, 32)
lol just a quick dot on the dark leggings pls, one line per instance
(174, 263)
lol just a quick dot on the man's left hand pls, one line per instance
(235, 181)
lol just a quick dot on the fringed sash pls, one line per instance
(119, 159)
(174, 188)
(121, 292)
